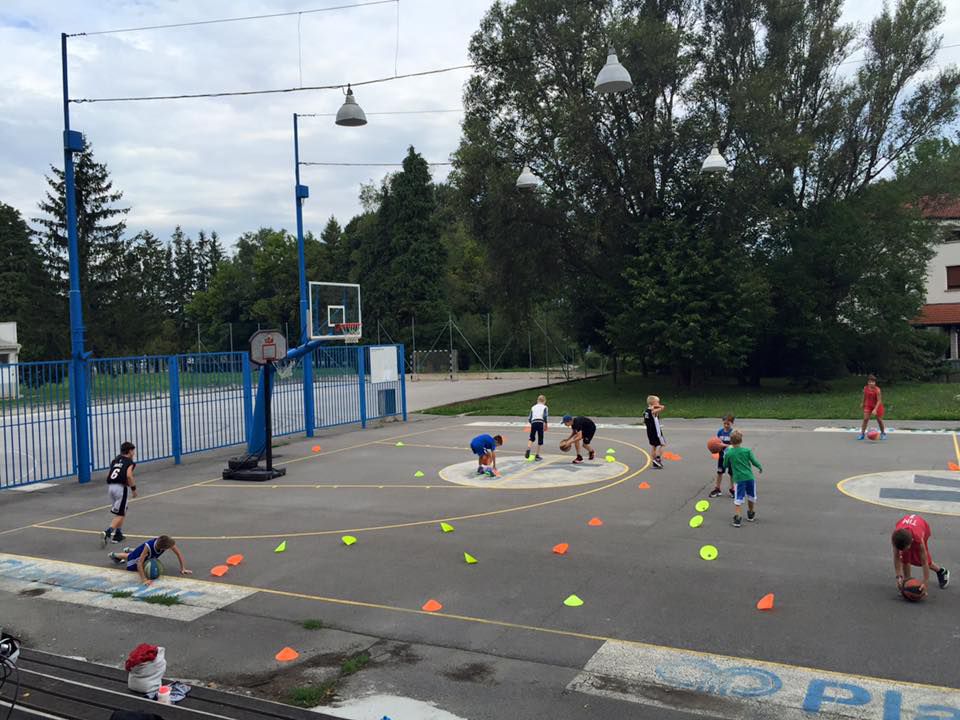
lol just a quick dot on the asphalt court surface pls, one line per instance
(824, 552)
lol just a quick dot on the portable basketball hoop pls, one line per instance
(350, 332)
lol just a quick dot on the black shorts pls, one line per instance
(720, 469)
(653, 438)
(536, 431)
(586, 436)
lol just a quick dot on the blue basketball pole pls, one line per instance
(73, 143)
(301, 193)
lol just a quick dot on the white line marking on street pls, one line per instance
(82, 585)
(732, 688)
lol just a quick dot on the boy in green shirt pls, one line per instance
(741, 461)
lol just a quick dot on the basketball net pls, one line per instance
(284, 368)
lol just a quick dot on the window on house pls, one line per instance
(953, 277)
(4, 358)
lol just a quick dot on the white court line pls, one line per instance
(736, 688)
(92, 587)
(898, 431)
(515, 423)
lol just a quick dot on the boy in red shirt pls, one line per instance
(910, 539)
(872, 404)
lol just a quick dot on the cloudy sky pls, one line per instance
(227, 164)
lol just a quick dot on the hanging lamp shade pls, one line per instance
(350, 114)
(527, 180)
(613, 77)
(714, 162)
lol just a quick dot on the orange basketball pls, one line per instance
(912, 590)
(565, 445)
(715, 445)
(873, 435)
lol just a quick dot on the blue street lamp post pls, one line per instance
(301, 193)
(73, 143)
(349, 115)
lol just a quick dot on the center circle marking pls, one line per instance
(921, 491)
(517, 473)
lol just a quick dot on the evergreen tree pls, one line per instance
(26, 292)
(103, 253)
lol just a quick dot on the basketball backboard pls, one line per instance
(335, 311)
(267, 346)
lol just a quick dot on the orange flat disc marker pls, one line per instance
(432, 605)
(766, 602)
(595, 522)
(219, 570)
(953, 466)
(234, 560)
(315, 448)
(644, 485)
(561, 548)
(287, 654)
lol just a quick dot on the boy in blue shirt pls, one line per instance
(724, 435)
(485, 448)
(149, 550)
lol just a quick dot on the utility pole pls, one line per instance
(489, 350)
(450, 327)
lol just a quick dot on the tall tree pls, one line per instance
(25, 291)
(762, 79)
(103, 252)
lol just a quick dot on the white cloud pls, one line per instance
(227, 164)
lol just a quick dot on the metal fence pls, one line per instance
(171, 406)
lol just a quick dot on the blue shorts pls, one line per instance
(745, 489)
(480, 450)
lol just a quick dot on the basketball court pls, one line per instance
(660, 632)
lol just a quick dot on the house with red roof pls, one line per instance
(943, 273)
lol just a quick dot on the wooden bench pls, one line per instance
(57, 687)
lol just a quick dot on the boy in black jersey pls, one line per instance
(119, 483)
(582, 430)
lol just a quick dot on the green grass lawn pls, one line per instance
(601, 397)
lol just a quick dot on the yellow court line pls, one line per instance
(417, 523)
(526, 471)
(267, 486)
(956, 448)
(531, 628)
(842, 489)
(198, 484)
(432, 447)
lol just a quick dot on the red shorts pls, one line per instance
(870, 409)
(912, 556)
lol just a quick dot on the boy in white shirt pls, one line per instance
(538, 426)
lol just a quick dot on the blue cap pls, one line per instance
(567, 418)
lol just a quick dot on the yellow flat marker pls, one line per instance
(709, 552)
(469, 559)
(702, 506)
(282, 547)
(610, 458)
(447, 527)
(696, 521)
(418, 473)
(348, 540)
(573, 601)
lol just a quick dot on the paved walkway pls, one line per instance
(433, 390)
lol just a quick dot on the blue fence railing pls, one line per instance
(170, 406)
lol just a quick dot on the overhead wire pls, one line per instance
(389, 112)
(364, 164)
(231, 19)
(243, 93)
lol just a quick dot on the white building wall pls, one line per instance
(9, 353)
(948, 253)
